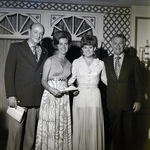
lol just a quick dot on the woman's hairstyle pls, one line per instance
(61, 34)
(89, 40)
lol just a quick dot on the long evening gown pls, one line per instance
(54, 125)
(88, 123)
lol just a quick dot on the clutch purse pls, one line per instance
(17, 113)
(70, 88)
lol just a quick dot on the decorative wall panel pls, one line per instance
(116, 19)
(15, 25)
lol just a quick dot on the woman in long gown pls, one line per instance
(88, 123)
(54, 125)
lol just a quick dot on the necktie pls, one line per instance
(35, 52)
(117, 66)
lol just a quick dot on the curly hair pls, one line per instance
(89, 40)
(61, 34)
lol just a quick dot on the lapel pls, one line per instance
(81, 60)
(110, 67)
(125, 64)
(42, 57)
(28, 53)
(93, 64)
(30, 57)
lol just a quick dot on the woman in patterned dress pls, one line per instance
(88, 123)
(54, 125)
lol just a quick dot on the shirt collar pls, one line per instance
(31, 45)
(121, 56)
(94, 63)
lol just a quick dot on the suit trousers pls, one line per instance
(121, 124)
(21, 136)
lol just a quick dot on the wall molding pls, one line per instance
(64, 7)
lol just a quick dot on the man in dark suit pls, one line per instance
(124, 92)
(23, 86)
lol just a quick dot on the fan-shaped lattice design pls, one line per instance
(76, 26)
(15, 24)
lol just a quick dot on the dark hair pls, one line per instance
(120, 36)
(89, 40)
(61, 34)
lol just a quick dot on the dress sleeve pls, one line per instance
(73, 72)
(103, 75)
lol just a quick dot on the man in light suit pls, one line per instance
(23, 87)
(124, 92)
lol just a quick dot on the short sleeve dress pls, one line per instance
(54, 125)
(88, 123)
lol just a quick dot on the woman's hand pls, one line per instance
(75, 93)
(55, 92)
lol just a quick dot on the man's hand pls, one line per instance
(12, 102)
(136, 106)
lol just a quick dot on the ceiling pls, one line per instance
(124, 3)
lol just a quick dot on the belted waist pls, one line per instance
(57, 79)
(88, 86)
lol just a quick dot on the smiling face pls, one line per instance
(88, 50)
(36, 33)
(118, 45)
(63, 45)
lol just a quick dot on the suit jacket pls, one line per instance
(128, 89)
(23, 74)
